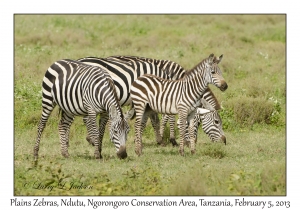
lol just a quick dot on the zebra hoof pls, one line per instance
(138, 152)
(162, 143)
(35, 162)
(66, 154)
(193, 151)
(181, 152)
(90, 140)
(173, 141)
(98, 155)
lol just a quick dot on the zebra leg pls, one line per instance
(63, 129)
(155, 124)
(44, 118)
(196, 127)
(68, 132)
(144, 122)
(182, 112)
(172, 130)
(88, 138)
(102, 123)
(186, 137)
(93, 133)
(163, 123)
(192, 135)
(108, 126)
(138, 135)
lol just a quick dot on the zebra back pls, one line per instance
(172, 70)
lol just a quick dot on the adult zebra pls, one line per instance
(211, 123)
(174, 97)
(125, 69)
(82, 90)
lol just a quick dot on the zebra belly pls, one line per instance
(75, 109)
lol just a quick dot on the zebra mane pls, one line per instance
(170, 72)
(215, 61)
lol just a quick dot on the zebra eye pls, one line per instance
(216, 121)
(213, 71)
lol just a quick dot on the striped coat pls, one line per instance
(174, 97)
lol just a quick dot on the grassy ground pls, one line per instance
(252, 163)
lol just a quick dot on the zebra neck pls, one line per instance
(195, 83)
(115, 111)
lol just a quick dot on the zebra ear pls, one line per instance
(207, 105)
(129, 114)
(202, 111)
(113, 113)
(218, 59)
(211, 58)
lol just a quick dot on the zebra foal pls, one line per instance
(150, 93)
(82, 90)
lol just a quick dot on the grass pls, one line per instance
(254, 106)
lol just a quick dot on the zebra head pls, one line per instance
(118, 131)
(214, 74)
(211, 124)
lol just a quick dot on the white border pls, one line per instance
(9, 8)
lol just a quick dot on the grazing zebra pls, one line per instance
(150, 93)
(211, 122)
(211, 104)
(82, 90)
(125, 69)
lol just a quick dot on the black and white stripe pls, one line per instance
(174, 97)
(125, 69)
(211, 122)
(82, 90)
(214, 131)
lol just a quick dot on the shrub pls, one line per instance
(246, 111)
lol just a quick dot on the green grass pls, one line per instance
(254, 106)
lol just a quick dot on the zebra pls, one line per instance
(125, 69)
(82, 90)
(211, 103)
(150, 93)
(211, 122)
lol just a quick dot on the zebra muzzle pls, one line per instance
(223, 138)
(122, 154)
(223, 86)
